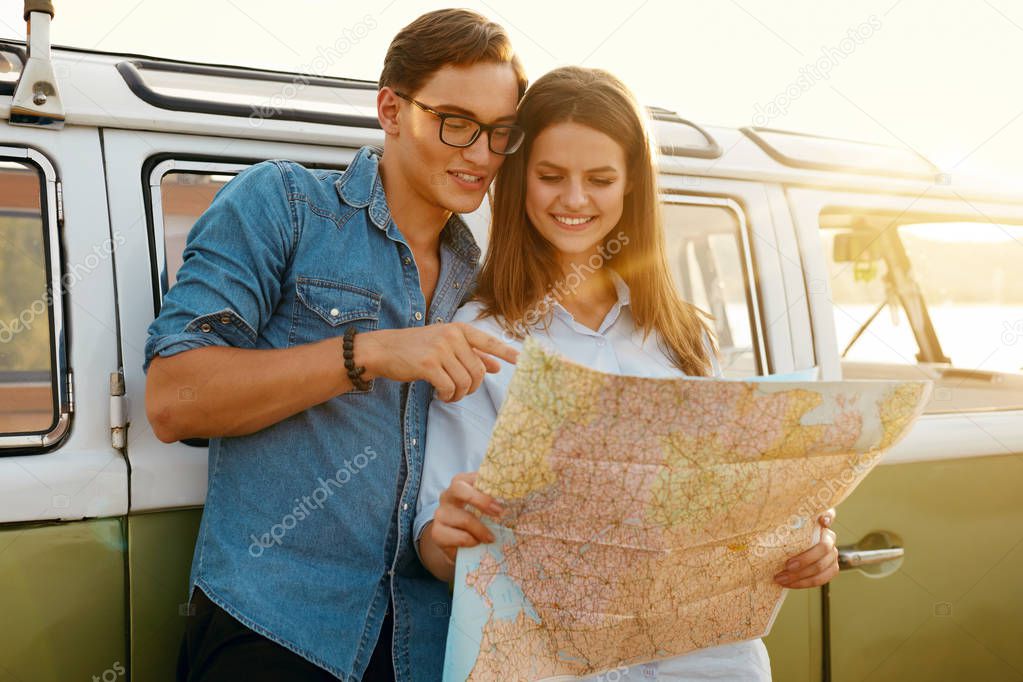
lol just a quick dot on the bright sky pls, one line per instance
(938, 76)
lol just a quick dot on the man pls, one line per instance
(304, 567)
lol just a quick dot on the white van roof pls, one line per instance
(111, 90)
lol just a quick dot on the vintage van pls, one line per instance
(863, 260)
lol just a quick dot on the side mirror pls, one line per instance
(854, 247)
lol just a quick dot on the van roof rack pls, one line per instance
(802, 150)
(252, 93)
(684, 138)
(12, 61)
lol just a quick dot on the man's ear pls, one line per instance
(387, 110)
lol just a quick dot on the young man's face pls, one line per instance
(455, 179)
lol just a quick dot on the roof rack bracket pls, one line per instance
(37, 100)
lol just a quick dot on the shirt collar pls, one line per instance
(457, 235)
(621, 289)
(360, 186)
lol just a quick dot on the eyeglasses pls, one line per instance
(461, 131)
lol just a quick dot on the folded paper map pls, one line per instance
(646, 518)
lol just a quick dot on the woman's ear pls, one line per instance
(387, 110)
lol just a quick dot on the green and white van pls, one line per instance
(863, 260)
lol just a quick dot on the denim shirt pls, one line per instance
(306, 533)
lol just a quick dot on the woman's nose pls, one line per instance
(574, 196)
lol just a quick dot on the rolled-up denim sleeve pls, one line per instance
(232, 269)
(457, 435)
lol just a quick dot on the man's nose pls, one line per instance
(479, 151)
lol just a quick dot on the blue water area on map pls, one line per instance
(470, 613)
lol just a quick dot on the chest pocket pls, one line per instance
(326, 308)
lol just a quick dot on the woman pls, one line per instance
(583, 270)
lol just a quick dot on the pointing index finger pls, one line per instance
(491, 345)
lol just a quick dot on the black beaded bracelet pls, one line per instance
(354, 373)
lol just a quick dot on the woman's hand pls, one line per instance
(817, 565)
(454, 526)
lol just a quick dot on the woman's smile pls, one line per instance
(573, 223)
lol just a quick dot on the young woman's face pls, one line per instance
(575, 188)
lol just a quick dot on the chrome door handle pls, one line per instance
(850, 557)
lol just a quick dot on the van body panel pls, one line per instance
(65, 605)
(950, 611)
(161, 555)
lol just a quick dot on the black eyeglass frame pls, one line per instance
(480, 127)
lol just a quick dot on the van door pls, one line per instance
(63, 484)
(159, 184)
(733, 253)
(926, 287)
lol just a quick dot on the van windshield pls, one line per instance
(939, 299)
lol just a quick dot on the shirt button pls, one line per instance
(414, 441)
(334, 312)
(405, 506)
(438, 320)
(458, 285)
(225, 319)
(205, 327)
(407, 260)
(419, 315)
(391, 573)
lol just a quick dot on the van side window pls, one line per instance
(707, 258)
(916, 297)
(27, 378)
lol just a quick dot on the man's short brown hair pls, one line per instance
(458, 37)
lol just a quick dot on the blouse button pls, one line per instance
(206, 327)
(419, 315)
(334, 312)
(407, 261)
(224, 319)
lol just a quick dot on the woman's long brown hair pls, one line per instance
(521, 273)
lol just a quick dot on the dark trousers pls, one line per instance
(217, 648)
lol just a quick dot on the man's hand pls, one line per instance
(453, 357)
(817, 565)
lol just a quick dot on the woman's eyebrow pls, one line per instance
(602, 169)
